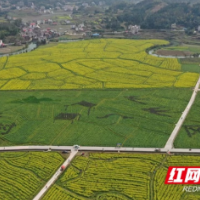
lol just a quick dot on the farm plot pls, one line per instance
(121, 176)
(103, 63)
(185, 48)
(190, 64)
(189, 134)
(134, 117)
(24, 173)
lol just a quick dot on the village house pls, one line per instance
(49, 21)
(133, 29)
(68, 8)
(39, 22)
(80, 27)
(32, 25)
(54, 23)
(2, 44)
(85, 5)
(67, 21)
(73, 26)
(173, 26)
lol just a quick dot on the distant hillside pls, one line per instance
(157, 14)
(182, 1)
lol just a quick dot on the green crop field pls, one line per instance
(189, 48)
(190, 67)
(121, 176)
(137, 117)
(23, 174)
(189, 134)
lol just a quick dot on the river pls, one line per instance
(30, 47)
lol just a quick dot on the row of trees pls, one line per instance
(9, 28)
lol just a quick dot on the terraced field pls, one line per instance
(134, 117)
(121, 177)
(24, 173)
(189, 134)
(90, 64)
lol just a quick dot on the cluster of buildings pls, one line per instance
(132, 30)
(32, 31)
(68, 7)
(78, 28)
(100, 3)
(43, 10)
(42, 21)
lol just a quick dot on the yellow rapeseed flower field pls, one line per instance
(101, 63)
(23, 174)
(121, 176)
(2, 62)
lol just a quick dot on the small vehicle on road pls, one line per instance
(65, 151)
(157, 150)
(62, 168)
(76, 147)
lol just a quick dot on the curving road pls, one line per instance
(169, 144)
(55, 176)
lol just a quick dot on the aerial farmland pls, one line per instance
(95, 94)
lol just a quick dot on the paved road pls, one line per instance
(55, 176)
(98, 149)
(169, 144)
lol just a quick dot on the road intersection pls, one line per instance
(55, 176)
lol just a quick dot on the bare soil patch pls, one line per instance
(10, 49)
(86, 104)
(163, 52)
(67, 116)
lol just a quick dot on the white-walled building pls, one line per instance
(134, 29)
